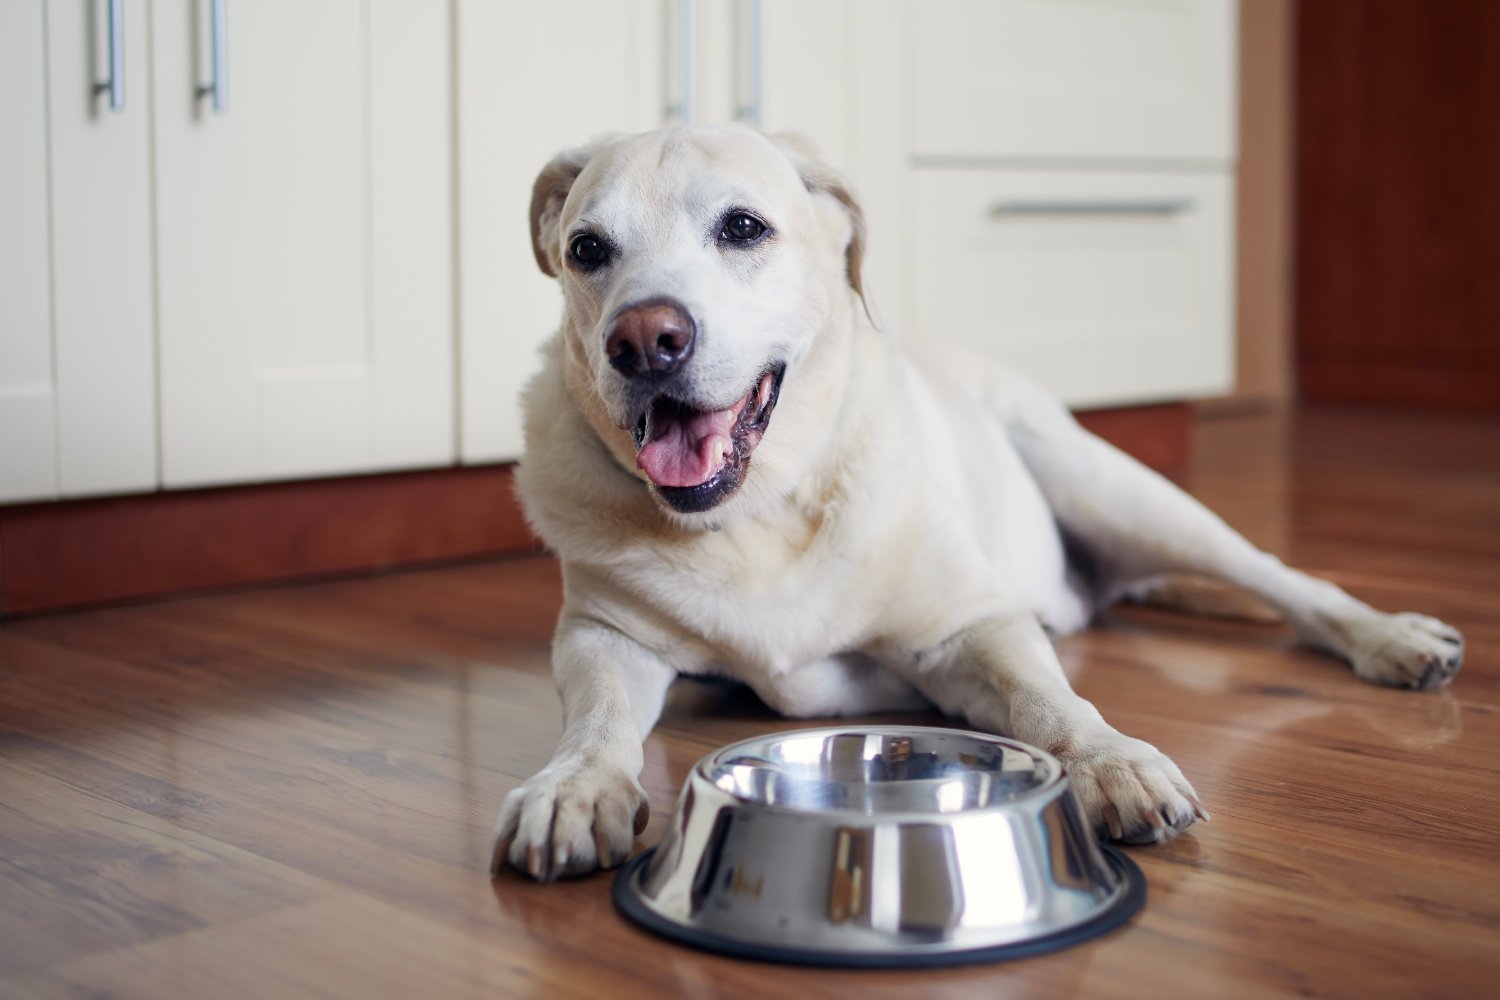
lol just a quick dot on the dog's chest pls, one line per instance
(762, 596)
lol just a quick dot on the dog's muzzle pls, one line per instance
(697, 458)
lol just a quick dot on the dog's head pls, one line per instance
(699, 268)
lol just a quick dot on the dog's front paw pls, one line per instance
(570, 819)
(1406, 650)
(1129, 789)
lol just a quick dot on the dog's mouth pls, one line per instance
(697, 458)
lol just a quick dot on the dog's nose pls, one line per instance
(653, 337)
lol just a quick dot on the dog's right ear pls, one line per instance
(547, 197)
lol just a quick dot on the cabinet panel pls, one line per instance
(288, 266)
(1107, 288)
(413, 328)
(27, 435)
(1147, 79)
(101, 253)
(808, 74)
(519, 103)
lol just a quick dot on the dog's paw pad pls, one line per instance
(1130, 791)
(570, 819)
(1407, 650)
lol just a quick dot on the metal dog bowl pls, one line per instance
(896, 846)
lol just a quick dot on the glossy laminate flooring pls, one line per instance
(289, 792)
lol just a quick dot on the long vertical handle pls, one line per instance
(687, 60)
(753, 110)
(115, 85)
(218, 29)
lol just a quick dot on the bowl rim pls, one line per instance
(1056, 781)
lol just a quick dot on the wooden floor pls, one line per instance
(289, 792)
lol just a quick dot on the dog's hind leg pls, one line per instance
(1137, 525)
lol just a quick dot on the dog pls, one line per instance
(743, 477)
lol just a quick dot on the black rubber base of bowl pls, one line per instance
(1122, 909)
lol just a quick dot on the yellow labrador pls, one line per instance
(742, 477)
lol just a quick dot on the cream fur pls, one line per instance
(898, 540)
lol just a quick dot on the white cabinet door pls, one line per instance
(807, 75)
(1107, 288)
(104, 339)
(304, 240)
(1150, 79)
(27, 433)
(532, 79)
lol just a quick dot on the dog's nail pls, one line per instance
(601, 850)
(642, 817)
(1155, 819)
(1112, 820)
(534, 862)
(560, 859)
(500, 854)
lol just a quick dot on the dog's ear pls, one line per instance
(547, 197)
(821, 179)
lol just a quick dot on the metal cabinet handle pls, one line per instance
(115, 85)
(753, 110)
(218, 29)
(687, 60)
(1144, 206)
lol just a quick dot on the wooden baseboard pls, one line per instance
(77, 553)
(1161, 436)
(81, 552)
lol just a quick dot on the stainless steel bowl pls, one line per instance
(891, 846)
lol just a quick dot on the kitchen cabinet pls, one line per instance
(1104, 286)
(1062, 79)
(207, 287)
(1071, 190)
(328, 270)
(28, 433)
(77, 357)
(304, 240)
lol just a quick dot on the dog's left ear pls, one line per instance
(823, 180)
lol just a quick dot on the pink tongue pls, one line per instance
(687, 449)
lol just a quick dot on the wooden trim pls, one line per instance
(1430, 386)
(1161, 436)
(80, 552)
(1397, 207)
(83, 552)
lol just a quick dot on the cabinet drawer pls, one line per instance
(1121, 79)
(1106, 288)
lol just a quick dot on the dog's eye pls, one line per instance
(589, 251)
(742, 228)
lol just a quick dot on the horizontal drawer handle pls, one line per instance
(1145, 206)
